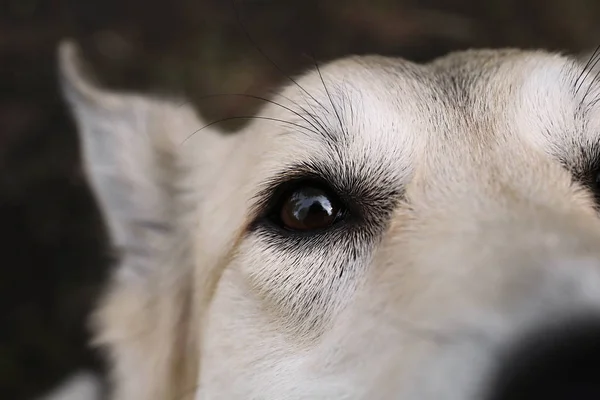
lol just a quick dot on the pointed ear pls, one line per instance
(131, 154)
(135, 162)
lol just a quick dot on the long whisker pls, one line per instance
(313, 115)
(587, 68)
(591, 84)
(249, 37)
(594, 102)
(335, 110)
(255, 97)
(249, 117)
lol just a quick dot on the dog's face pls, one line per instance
(383, 230)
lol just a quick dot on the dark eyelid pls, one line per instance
(585, 168)
(268, 196)
(368, 195)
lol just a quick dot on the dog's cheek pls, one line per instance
(300, 287)
(243, 354)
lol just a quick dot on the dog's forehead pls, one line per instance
(544, 100)
(385, 112)
(358, 112)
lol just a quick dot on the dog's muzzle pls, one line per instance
(558, 362)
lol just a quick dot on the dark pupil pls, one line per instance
(308, 208)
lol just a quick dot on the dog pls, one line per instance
(380, 230)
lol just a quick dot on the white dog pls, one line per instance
(382, 230)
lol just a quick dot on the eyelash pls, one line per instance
(367, 205)
(591, 179)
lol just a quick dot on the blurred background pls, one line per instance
(53, 250)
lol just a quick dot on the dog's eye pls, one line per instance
(308, 208)
(595, 186)
(591, 179)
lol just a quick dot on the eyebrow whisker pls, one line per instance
(255, 97)
(587, 69)
(313, 115)
(335, 110)
(591, 84)
(244, 117)
(260, 50)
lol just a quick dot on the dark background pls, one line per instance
(53, 257)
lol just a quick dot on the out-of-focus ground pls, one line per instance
(52, 258)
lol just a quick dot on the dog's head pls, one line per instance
(382, 230)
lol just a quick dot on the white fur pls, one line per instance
(486, 233)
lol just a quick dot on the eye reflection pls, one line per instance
(308, 208)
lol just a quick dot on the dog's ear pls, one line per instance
(135, 161)
(131, 150)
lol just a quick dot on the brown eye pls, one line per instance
(308, 208)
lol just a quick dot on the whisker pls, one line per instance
(586, 71)
(337, 114)
(313, 115)
(257, 47)
(249, 117)
(255, 97)
(591, 84)
(589, 67)
(594, 102)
